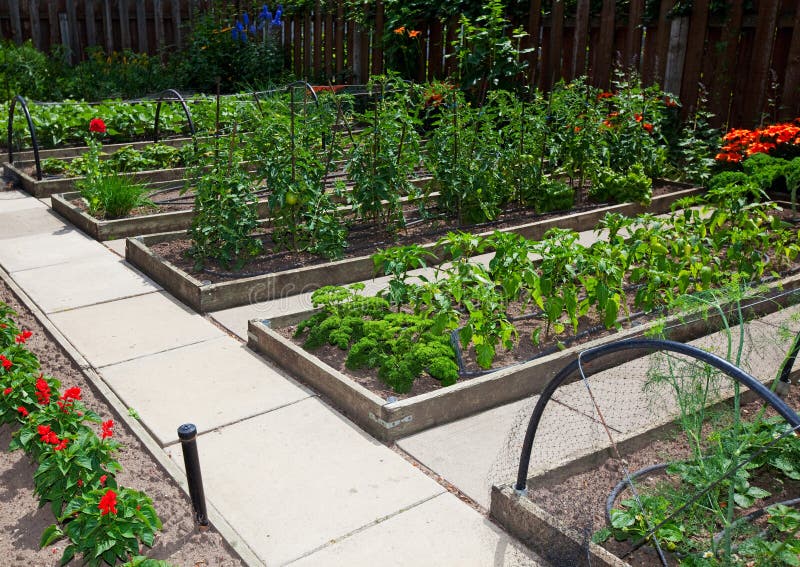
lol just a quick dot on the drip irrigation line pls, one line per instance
(754, 515)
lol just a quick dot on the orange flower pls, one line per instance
(414, 33)
(577, 129)
(400, 30)
(638, 117)
(604, 94)
(649, 127)
(671, 103)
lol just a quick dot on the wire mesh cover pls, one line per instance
(602, 426)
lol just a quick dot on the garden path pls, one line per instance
(289, 480)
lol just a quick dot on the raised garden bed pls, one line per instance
(206, 296)
(390, 419)
(544, 517)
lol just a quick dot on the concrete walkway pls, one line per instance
(295, 480)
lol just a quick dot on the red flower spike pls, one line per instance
(23, 412)
(42, 391)
(7, 391)
(97, 125)
(103, 480)
(108, 503)
(61, 445)
(80, 482)
(649, 127)
(5, 362)
(73, 393)
(108, 429)
(22, 337)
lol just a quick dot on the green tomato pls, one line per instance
(291, 199)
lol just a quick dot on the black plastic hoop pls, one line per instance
(641, 344)
(31, 127)
(786, 369)
(176, 96)
(307, 86)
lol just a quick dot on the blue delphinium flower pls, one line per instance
(276, 21)
(246, 19)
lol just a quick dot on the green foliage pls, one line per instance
(226, 212)
(401, 346)
(609, 186)
(105, 537)
(24, 70)
(554, 195)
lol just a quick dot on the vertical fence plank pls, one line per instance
(726, 66)
(75, 47)
(676, 55)
(377, 40)
(16, 21)
(633, 35)
(760, 61)
(141, 25)
(158, 23)
(578, 67)
(297, 60)
(36, 27)
(790, 99)
(108, 27)
(551, 68)
(52, 18)
(318, 39)
(91, 26)
(124, 24)
(695, 47)
(328, 45)
(339, 39)
(534, 39)
(436, 51)
(307, 43)
(176, 23)
(605, 52)
(662, 42)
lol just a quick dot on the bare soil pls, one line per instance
(22, 521)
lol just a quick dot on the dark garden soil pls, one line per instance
(22, 521)
(364, 239)
(579, 500)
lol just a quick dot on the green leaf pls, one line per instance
(51, 533)
(621, 519)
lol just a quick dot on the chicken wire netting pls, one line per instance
(665, 459)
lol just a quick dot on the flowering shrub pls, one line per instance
(76, 469)
(782, 140)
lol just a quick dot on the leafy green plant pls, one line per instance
(226, 213)
(105, 525)
(113, 195)
(608, 186)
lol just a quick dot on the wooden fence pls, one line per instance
(747, 63)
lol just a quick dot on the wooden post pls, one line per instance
(436, 51)
(760, 61)
(66, 40)
(124, 24)
(108, 27)
(52, 17)
(36, 28)
(297, 37)
(581, 38)
(633, 35)
(16, 21)
(328, 45)
(176, 22)
(605, 51)
(307, 43)
(91, 28)
(354, 51)
(790, 99)
(141, 26)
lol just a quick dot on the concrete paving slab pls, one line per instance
(213, 383)
(29, 220)
(17, 201)
(130, 328)
(291, 480)
(116, 246)
(39, 250)
(83, 282)
(441, 531)
(482, 450)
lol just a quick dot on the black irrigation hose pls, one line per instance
(625, 482)
(754, 515)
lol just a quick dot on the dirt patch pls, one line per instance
(22, 521)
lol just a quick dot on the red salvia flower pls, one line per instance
(97, 125)
(80, 482)
(23, 412)
(5, 362)
(73, 393)
(7, 391)
(108, 503)
(61, 445)
(647, 126)
(23, 336)
(103, 479)
(108, 429)
(42, 391)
